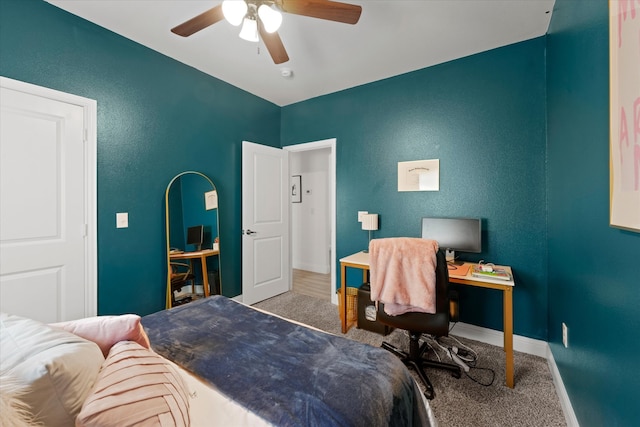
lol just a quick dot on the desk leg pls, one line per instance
(205, 276)
(508, 335)
(343, 295)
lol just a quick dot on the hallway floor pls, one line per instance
(312, 284)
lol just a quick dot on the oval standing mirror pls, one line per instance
(192, 230)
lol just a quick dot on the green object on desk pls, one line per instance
(497, 273)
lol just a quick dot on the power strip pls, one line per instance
(463, 354)
(459, 361)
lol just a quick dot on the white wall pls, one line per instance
(310, 220)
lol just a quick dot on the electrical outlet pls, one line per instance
(361, 214)
(565, 335)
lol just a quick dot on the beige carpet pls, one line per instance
(458, 402)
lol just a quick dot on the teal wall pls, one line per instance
(484, 117)
(156, 117)
(594, 279)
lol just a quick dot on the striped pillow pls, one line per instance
(136, 386)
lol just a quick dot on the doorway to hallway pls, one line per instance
(313, 218)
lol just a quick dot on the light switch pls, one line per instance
(122, 220)
(361, 215)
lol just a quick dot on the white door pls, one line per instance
(45, 253)
(265, 222)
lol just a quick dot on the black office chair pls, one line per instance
(433, 324)
(181, 276)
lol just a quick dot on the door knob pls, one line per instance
(251, 232)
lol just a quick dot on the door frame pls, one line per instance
(316, 145)
(90, 109)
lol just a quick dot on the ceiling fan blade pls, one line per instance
(274, 46)
(323, 9)
(199, 22)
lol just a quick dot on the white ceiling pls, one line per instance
(391, 38)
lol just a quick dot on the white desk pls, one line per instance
(361, 260)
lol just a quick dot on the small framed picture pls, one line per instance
(296, 189)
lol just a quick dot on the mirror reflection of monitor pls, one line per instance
(195, 236)
(454, 234)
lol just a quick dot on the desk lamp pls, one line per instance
(369, 222)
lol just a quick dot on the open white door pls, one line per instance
(265, 222)
(47, 203)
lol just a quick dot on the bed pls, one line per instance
(217, 362)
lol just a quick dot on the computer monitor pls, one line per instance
(195, 236)
(454, 234)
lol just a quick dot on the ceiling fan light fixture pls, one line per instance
(270, 17)
(234, 11)
(249, 31)
(263, 24)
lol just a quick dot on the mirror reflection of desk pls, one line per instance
(191, 201)
(202, 256)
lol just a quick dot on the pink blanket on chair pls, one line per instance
(402, 273)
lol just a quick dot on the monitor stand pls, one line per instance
(451, 257)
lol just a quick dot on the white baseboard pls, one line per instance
(493, 337)
(565, 403)
(525, 345)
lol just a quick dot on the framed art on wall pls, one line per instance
(624, 64)
(296, 189)
(419, 175)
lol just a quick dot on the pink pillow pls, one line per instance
(136, 387)
(107, 330)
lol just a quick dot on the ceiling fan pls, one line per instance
(263, 18)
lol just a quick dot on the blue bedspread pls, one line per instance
(288, 374)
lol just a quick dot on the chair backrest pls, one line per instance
(180, 272)
(435, 324)
(442, 283)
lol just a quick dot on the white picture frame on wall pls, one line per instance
(624, 144)
(419, 175)
(296, 189)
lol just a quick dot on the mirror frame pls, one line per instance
(167, 233)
